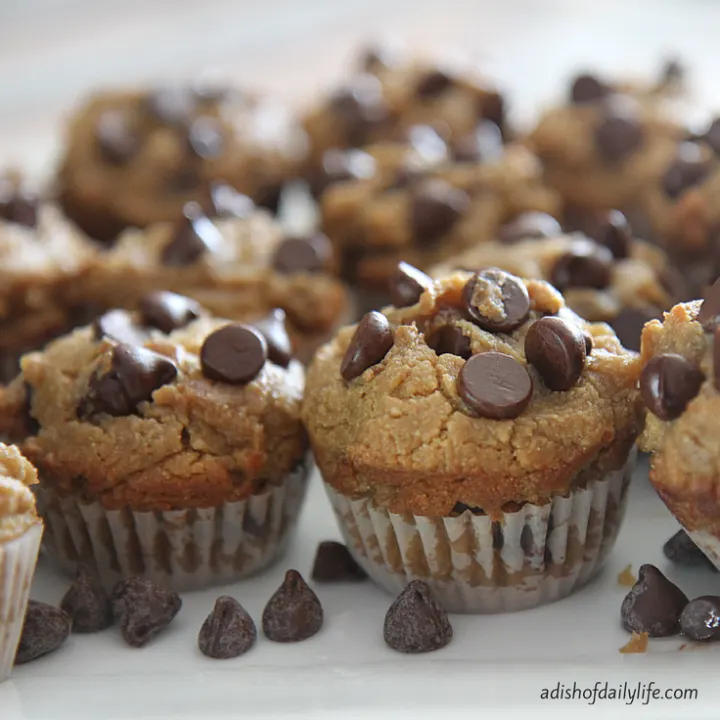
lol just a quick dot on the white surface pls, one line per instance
(347, 671)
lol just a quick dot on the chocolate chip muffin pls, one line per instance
(133, 158)
(680, 386)
(168, 444)
(239, 266)
(479, 438)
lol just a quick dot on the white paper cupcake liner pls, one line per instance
(537, 555)
(179, 549)
(17, 567)
(708, 543)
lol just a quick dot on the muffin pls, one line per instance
(680, 385)
(168, 444)
(479, 439)
(20, 535)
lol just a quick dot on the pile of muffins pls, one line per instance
(476, 428)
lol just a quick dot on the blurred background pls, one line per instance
(53, 51)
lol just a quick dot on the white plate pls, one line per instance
(347, 671)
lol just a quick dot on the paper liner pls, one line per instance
(708, 543)
(180, 549)
(537, 555)
(17, 567)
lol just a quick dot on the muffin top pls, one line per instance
(484, 390)
(17, 502)
(166, 408)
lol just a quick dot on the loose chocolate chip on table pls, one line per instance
(334, 563)
(495, 385)
(529, 225)
(118, 325)
(193, 236)
(293, 613)
(709, 314)
(168, 311)
(116, 141)
(171, 105)
(228, 631)
(557, 351)
(668, 383)
(432, 84)
(227, 202)
(436, 206)
(303, 254)
(370, 343)
(450, 339)
(654, 604)
(17, 205)
(46, 628)
(134, 375)
(272, 328)
(87, 604)
(618, 136)
(681, 550)
(496, 300)
(629, 323)
(205, 137)
(485, 144)
(700, 620)
(587, 88)
(233, 354)
(612, 230)
(143, 609)
(689, 168)
(416, 622)
(407, 285)
(586, 264)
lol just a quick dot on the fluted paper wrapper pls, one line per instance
(537, 555)
(17, 567)
(708, 543)
(179, 549)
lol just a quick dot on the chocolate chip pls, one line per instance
(495, 385)
(498, 537)
(450, 339)
(87, 604)
(617, 136)
(700, 619)
(407, 285)
(460, 507)
(492, 108)
(681, 550)
(134, 375)
(334, 563)
(18, 205)
(171, 105)
(416, 622)
(233, 354)
(118, 325)
(496, 300)
(377, 58)
(485, 144)
(435, 207)
(628, 325)
(612, 230)
(309, 254)
(272, 328)
(556, 349)
(228, 631)
(529, 225)
(689, 168)
(586, 264)
(370, 343)
(46, 628)
(168, 311)
(668, 383)
(588, 344)
(654, 604)
(32, 426)
(587, 88)
(293, 613)
(712, 136)
(205, 137)
(144, 609)
(344, 165)
(116, 141)
(709, 313)
(672, 72)
(227, 202)
(432, 84)
(360, 108)
(193, 236)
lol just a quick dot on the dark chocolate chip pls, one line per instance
(134, 375)
(485, 144)
(495, 385)
(612, 230)
(700, 619)
(709, 313)
(334, 563)
(668, 383)
(586, 264)
(654, 604)
(529, 225)
(416, 622)
(587, 88)
(436, 206)
(360, 108)
(689, 168)
(427, 143)
(370, 343)
(193, 236)
(171, 105)
(628, 325)
(450, 339)
(498, 537)
(309, 254)
(343, 165)
(293, 613)
(272, 328)
(496, 300)
(588, 344)
(227, 202)
(672, 72)
(407, 285)
(432, 84)
(205, 137)
(87, 604)
(168, 311)
(492, 108)
(712, 136)
(618, 136)
(527, 541)
(118, 325)
(228, 631)
(143, 609)
(681, 550)
(18, 205)
(234, 354)
(556, 349)
(46, 628)
(460, 507)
